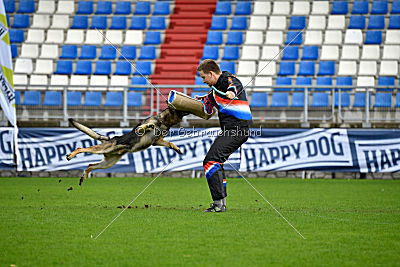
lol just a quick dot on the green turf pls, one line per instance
(345, 222)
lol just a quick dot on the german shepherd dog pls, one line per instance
(147, 133)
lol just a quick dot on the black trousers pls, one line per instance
(224, 145)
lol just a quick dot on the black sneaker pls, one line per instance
(214, 208)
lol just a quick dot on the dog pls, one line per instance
(147, 133)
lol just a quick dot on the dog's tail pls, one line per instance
(88, 131)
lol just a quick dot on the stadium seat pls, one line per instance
(279, 100)
(21, 21)
(142, 68)
(104, 7)
(297, 100)
(23, 65)
(370, 52)
(303, 81)
(214, 38)
(283, 81)
(389, 68)
(32, 98)
(94, 37)
(239, 23)
(138, 80)
(243, 8)
(286, 68)
(394, 22)
(74, 98)
(297, 23)
(376, 22)
(198, 81)
(152, 37)
(310, 53)
(294, 38)
(74, 37)
(60, 80)
(234, 38)
(115, 36)
(210, 52)
(316, 23)
(258, 23)
(64, 67)
(218, 23)
(329, 52)
(98, 81)
(9, 6)
(29, 50)
(281, 8)
(290, 53)
(392, 37)
(344, 81)
(16, 35)
(88, 52)
(270, 52)
(113, 99)
(52, 98)
(336, 22)
(324, 81)
(157, 23)
(265, 82)
(353, 37)
(14, 50)
(350, 52)
(266, 68)
(44, 66)
(142, 8)
(274, 38)
(254, 37)
(357, 22)
(35, 36)
(360, 7)
(55, 36)
(395, 7)
(17, 97)
(228, 66)
(83, 67)
(383, 100)
(339, 7)
(92, 99)
(103, 67)
(138, 23)
(320, 7)
(123, 68)
(391, 52)
(277, 23)
(386, 81)
(379, 7)
(161, 8)
(344, 99)
(117, 80)
(80, 22)
(359, 100)
(367, 67)
(246, 68)
(326, 68)
(301, 8)
(320, 100)
(66, 7)
(41, 21)
(134, 99)
(397, 100)
(108, 52)
(118, 23)
(306, 68)
(133, 37)
(333, 37)
(123, 8)
(26, 6)
(259, 100)
(223, 8)
(347, 68)
(38, 80)
(20, 80)
(147, 52)
(128, 52)
(85, 7)
(77, 81)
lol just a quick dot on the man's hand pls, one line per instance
(198, 97)
(230, 95)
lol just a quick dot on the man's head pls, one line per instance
(209, 71)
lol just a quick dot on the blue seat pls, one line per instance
(231, 53)
(339, 7)
(360, 7)
(223, 8)
(326, 68)
(259, 100)
(344, 99)
(397, 100)
(395, 7)
(69, 52)
(147, 52)
(83, 67)
(99, 22)
(142, 68)
(74, 98)
(283, 81)
(243, 8)
(21, 21)
(306, 68)
(379, 7)
(386, 81)
(138, 80)
(16, 35)
(359, 100)
(113, 99)
(279, 100)
(376, 22)
(123, 8)
(80, 22)
(104, 7)
(142, 8)
(294, 38)
(297, 100)
(52, 98)
(88, 52)
(92, 99)
(9, 5)
(138, 23)
(320, 100)
(64, 67)
(373, 37)
(228, 66)
(323, 81)
(357, 22)
(198, 81)
(32, 98)
(14, 50)
(157, 23)
(303, 81)
(310, 53)
(17, 97)
(128, 52)
(103, 67)
(85, 7)
(134, 99)
(108, 52)
(123, 68)
(290, 53)
(210, 52)
(297, 23)
(239, 23)
(152, 38)
(218, 23)
(118, 23)
(161, 8)
(344, 81)
(214, 38)
(234, 38)
(26, 6)
(383, 100)
(394, 22)
(286, 68)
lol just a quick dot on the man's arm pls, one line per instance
(234, 87)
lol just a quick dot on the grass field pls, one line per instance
(345, 222)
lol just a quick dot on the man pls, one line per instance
(227, 95)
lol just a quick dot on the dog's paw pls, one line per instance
(69, 156)
(81, 181)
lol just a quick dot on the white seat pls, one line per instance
(41, 21)
(20, 79)
(389, 68)
(316, 23)
(281, 8)
(262, 8)
(258, 23)
(78, 80)
(320, 7)
(270, 52)
(60, 22)
(23, 65)
(367, 68)
(55, 36)
(333, 37)
(133, 37)
(254, 37)
(74, 37)
(44, 66)
(60, 80)
(347, 68)
(301, 8)
(266, 68)
(119, 80)
(353, 37)
(113, 36)
(392, 37)
(35, 36)
(391, 52)
(370, 52)
(365, 81)
(313, 38)
(263, 81)
(274, 37)
(38, 80)
(277, 23)
(246, 81)
(49, 51)
(46, 6)
(99, 80)
(250, 52)
(246, 68)
(94, 37)
(330, 52)
(350, 52)
(29, 50)
(336, 22)
(65, 7)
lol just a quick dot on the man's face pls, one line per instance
(210, 78)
